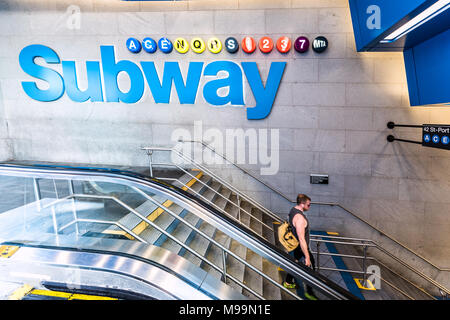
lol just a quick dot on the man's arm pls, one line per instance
(300, 224)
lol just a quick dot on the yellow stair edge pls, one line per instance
(155, 214)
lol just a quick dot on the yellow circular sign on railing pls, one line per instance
(198, 45)
(214, 45)
(181, 45)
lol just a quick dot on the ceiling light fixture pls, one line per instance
(429, 13)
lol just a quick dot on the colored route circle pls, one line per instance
(181, 45)
(301, 44)
(165, 45)
(265, 44)
(435, 138)
(149, 45)
(248, 44)
(214, 45)
(320, 44)
(198, 45)
(232, 45)
(284, 44)
(134, 45)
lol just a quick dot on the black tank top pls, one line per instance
(292, 213)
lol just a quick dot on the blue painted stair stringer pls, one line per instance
(340, 264)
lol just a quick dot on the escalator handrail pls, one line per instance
(256, 243)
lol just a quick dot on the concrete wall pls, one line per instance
(331, 109)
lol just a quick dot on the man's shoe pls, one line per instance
(289, 285)
(310, 296)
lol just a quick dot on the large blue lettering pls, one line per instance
(172, 73)
(54, 79)
(94, 90)
(161, 89)
(111, 70)
(233, 82)
(264, 96)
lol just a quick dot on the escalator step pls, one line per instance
(105, 235)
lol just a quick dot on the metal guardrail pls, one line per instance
(368, 243)
(150, 150)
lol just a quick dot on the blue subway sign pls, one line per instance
(436, 136)
(144, 74)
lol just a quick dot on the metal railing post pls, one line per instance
(37, 193)
(364, 266)
(318, 256)
(224, 261)
(74, 208)
(239, 207)
(150, 160)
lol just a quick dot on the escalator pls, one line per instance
(92, 233)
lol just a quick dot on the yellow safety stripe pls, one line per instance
(332, 233)
(370, 286)
(21, 292)
(68, 296)
(89, 297)
(155, 214)
(7, 251)
(48, 293)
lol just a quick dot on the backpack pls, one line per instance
(286, 237)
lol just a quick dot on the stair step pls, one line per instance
(252, 279)
(215, 254)
(149, 210)
(181, 233)
(232, 207)
(245, 216)
(267, 233)
(164, 220)
(161, 238)
(199, 244)
(187, 181)
(271, 292)
(235, 267)
(255, 223)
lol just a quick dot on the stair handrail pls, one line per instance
(280, 193)
(216, 177)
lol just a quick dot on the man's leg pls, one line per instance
(298, 282)
(309, 292)
(289, 280)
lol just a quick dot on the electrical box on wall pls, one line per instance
(318, 178)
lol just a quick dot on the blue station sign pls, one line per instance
(436, 136)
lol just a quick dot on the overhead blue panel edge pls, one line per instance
(426, 49)
(428, 71)
(373, 19)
